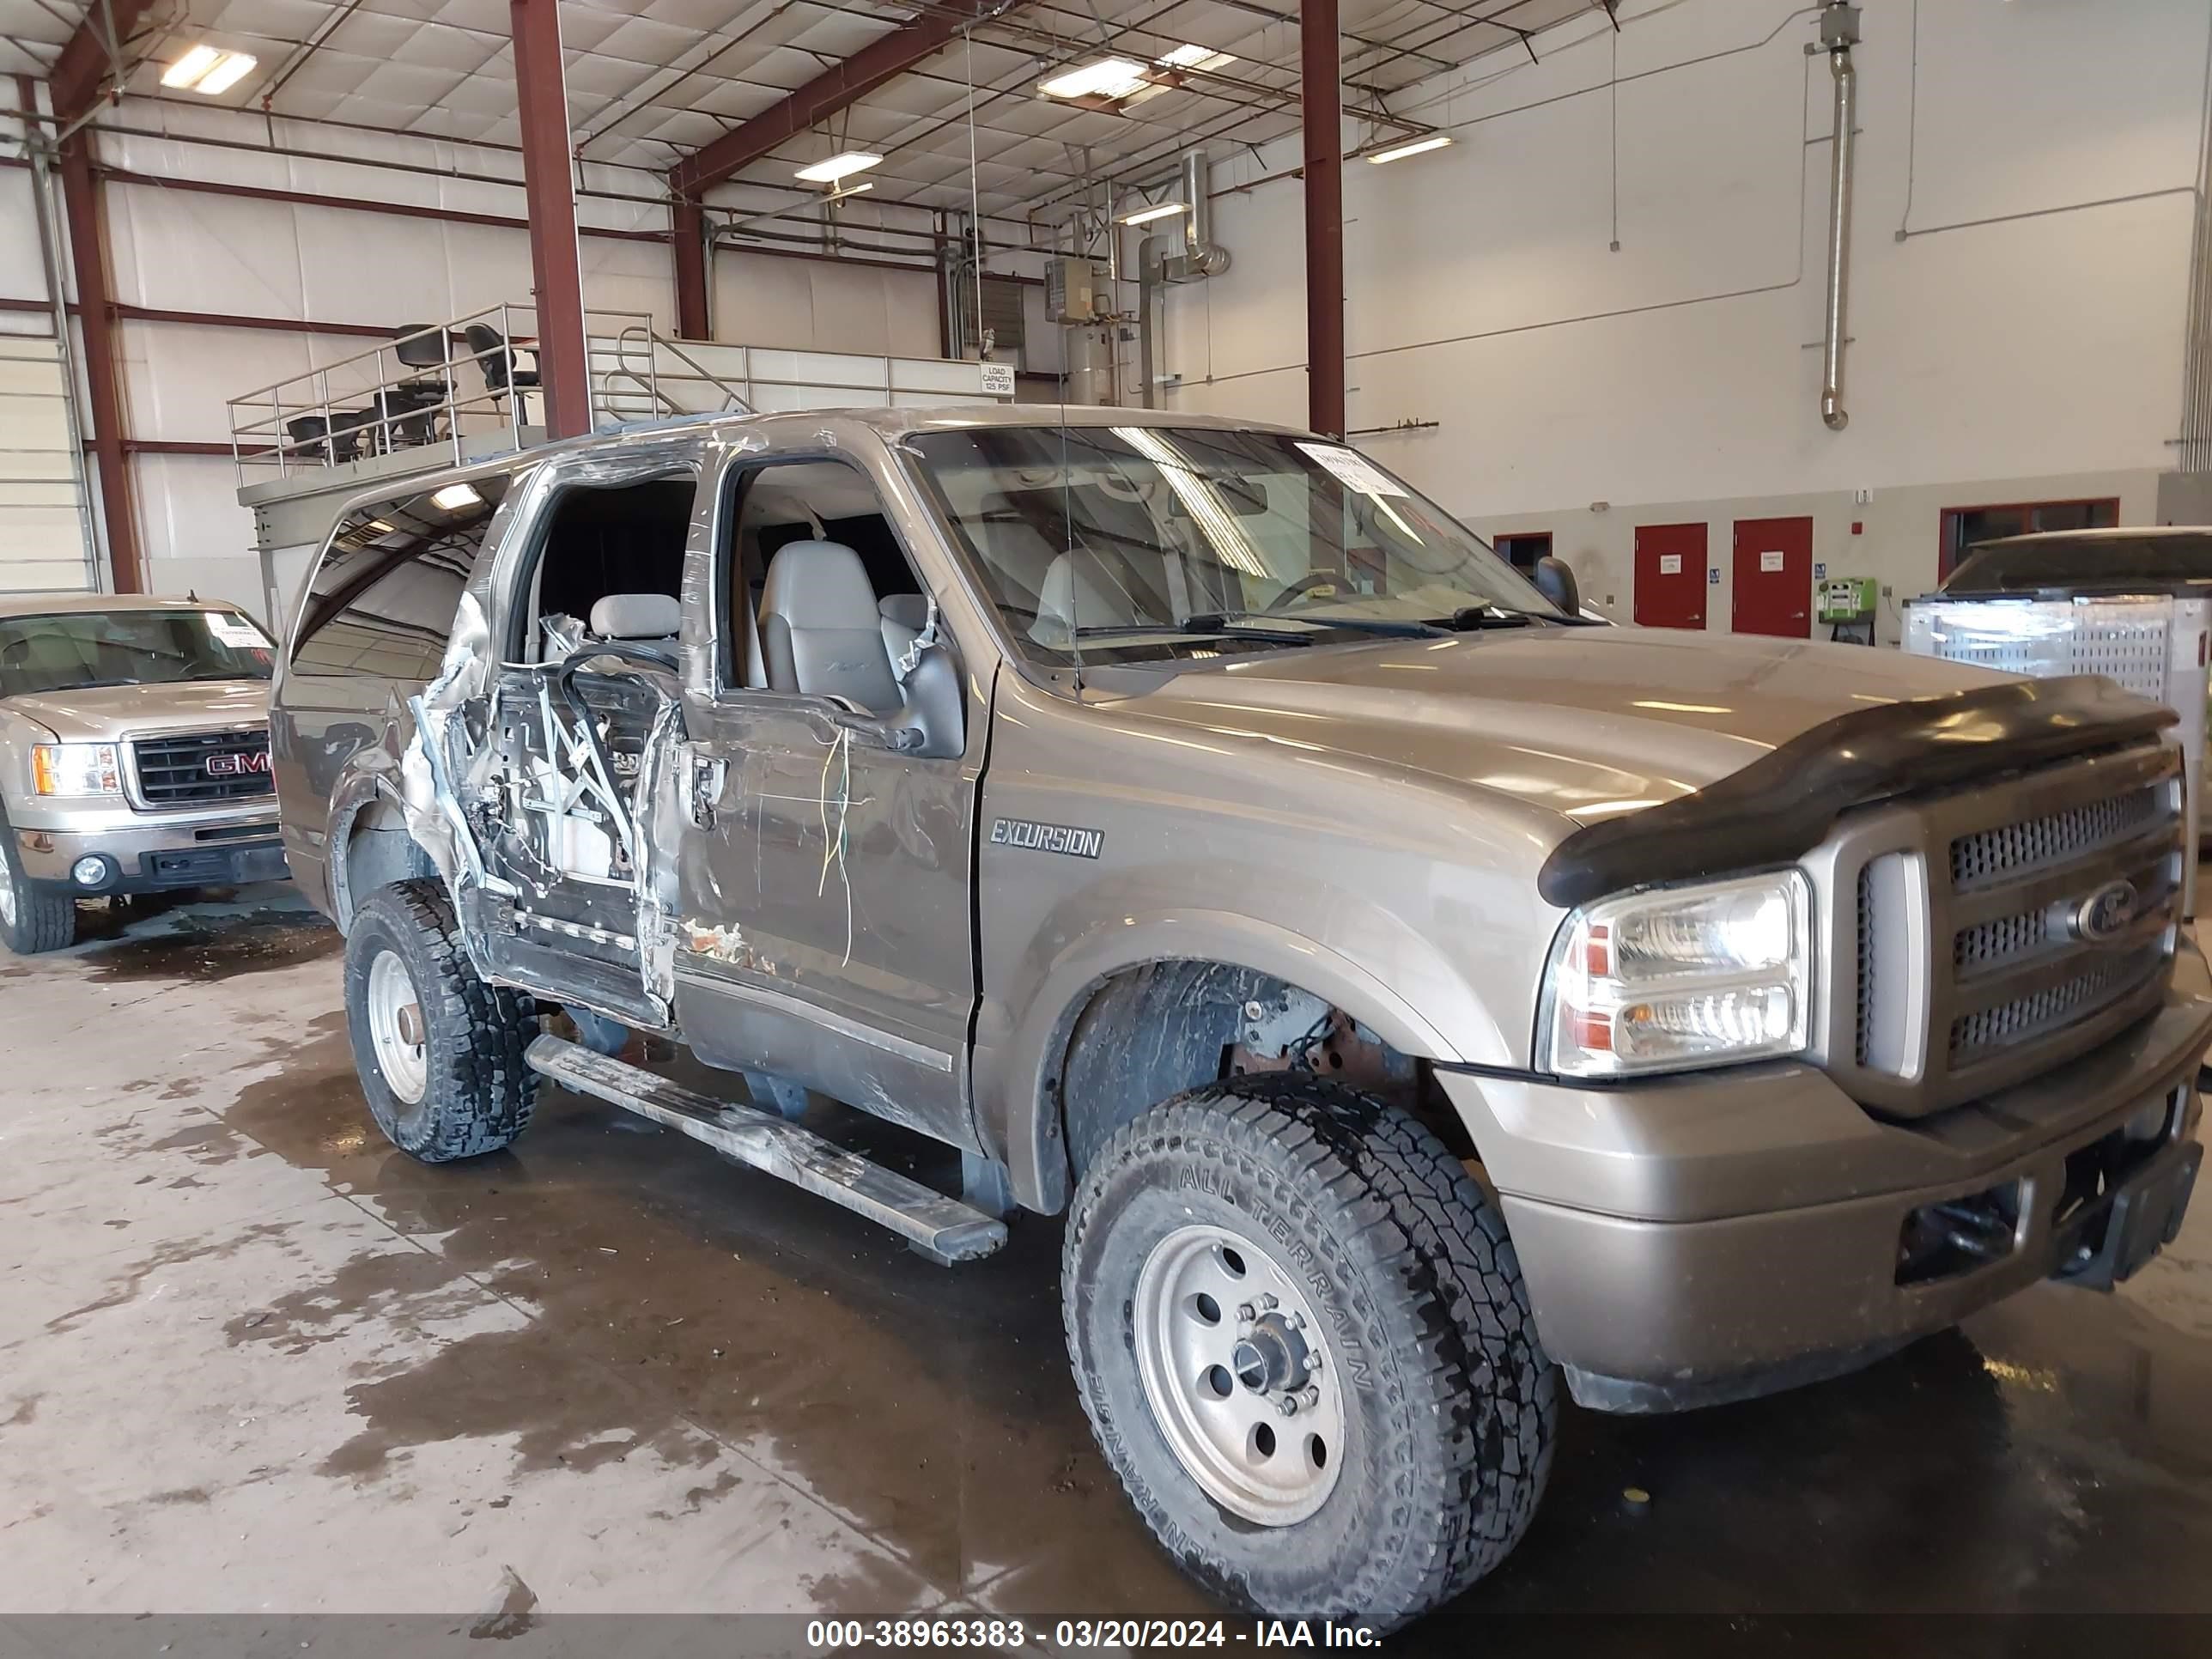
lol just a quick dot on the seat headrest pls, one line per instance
(637, 617)
(907, 611)
(816, 584)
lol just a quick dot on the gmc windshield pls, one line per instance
(70, 651)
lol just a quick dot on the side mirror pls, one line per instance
(1555, 580)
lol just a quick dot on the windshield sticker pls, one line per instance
(234, 630)
(1047, 837)
(1349, 466)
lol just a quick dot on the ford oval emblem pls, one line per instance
(2105, 914)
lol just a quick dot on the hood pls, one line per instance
(1589, 722)
(107, 713)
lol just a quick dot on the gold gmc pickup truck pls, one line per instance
(134, 756)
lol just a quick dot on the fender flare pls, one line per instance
(359, 789)
(1035, 1150)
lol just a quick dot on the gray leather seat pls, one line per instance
(1081, 590)
(821, 632)
(650, 618)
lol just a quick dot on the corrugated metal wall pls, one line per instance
(42, 541)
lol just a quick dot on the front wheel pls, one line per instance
(1301, 1336)
(32, 918)
(439, 1051)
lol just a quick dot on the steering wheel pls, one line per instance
(1306, 584)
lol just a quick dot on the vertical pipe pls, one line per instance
(1148, 321)
(1839, 33)
(687, 222)
(1321, 96)
(550, 190)
(49, 262)
(81, 207)
(2196, 452)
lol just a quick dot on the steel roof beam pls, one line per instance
(876, 64)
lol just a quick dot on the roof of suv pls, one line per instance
(58, 604)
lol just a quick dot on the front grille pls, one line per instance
(1974, 971)
(1866, 961)
(202, 767)
(2036, 843)
(1992, 944)
(2052, 1007)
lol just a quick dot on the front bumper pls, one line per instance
(1714, 1237)
(144, 855)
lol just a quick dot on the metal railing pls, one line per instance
(656, 376)
(406, 394)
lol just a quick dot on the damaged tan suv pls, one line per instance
(1417, 1000)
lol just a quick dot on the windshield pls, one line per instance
(1130, 541)
(2100, 561)
(70, 650)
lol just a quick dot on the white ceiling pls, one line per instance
(649, 82)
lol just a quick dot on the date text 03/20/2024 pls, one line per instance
(1079, 1634)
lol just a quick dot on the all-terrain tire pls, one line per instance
(477, 1093)
(36, 919)
(1453, 1408)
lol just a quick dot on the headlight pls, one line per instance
(75, 768)
(1680, 977)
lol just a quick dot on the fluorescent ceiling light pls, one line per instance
(186, 70)
(456, 496)
(1197, 58)
(209, 69)
(236, 67)
(1145, 216)
(839, 166)
(1413, 147)
(1109, 77)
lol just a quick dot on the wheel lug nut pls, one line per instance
(1268, 1303)
(1244, 1312)
(1289, 1405)
(1312, 1398)
(1297, 1322)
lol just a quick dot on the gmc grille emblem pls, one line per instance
(237, 766)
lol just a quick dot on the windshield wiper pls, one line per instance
(1471, 618)
(1212, 621)
(1211, 627)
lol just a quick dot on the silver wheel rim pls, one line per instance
(7, 896)
(395, 1027)
(1238, 1374)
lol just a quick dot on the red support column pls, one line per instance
(548, 187)
(1321, 96)
(687, 222)
(81, 207)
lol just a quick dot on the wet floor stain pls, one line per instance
(125, 1287)
(649, 1300)
(189, 947)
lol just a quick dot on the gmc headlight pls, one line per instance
(1680, 977)
(75, 768)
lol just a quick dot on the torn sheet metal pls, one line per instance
(539, 792)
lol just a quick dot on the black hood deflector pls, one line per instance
(1780, 805)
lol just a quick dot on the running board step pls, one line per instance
(943, 1228)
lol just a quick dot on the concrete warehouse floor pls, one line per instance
(253, 1360)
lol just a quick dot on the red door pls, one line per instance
(1670, 575)
(1773, 578)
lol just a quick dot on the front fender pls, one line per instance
(1378, 969)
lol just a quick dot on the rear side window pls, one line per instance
(383, 598)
